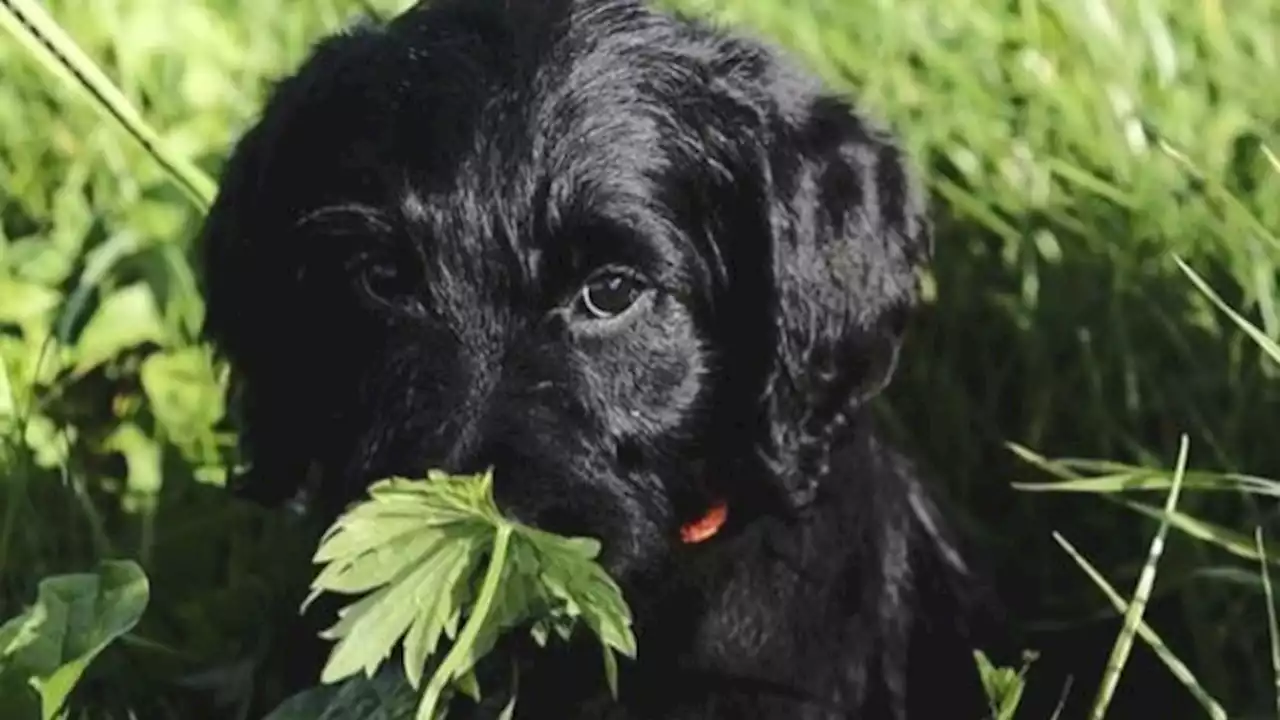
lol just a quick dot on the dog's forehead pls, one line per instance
(546, 106)
(497, 121)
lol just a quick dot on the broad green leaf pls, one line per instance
(141, 456)
(74, 617)
(385, 696)
(17, 697)
(28, 305)
(183, 391)
(125, 319)
(49, 443)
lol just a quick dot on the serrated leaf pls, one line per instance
(519, 597)
(610, 670)
(416, 547)
(369, 630)
(379, 565)
(350, 537)
(438, 607)
(468, 685)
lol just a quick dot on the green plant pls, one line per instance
(47, 648)
(1074, 149)
(416, 547)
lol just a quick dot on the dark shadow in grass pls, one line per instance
(1102, 362)
(225, 576)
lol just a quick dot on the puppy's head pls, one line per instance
(633, 264)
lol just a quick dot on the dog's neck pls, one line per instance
(831, 637)
(732, 646)
(805, 564)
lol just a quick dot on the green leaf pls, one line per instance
(459, 658)
(1179, 669)
(75, 616)
(1141, 594)
(416, 547)
(50, 444)
(184, 393)
(370, 629)
(385, 696)
(18, 698)
(439, 611)
(33, 28)
(141, 456)
(28, 305)
(1233, 542)
(1003, 686)
(125, 319)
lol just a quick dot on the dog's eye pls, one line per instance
(610, 295)
(387, 288)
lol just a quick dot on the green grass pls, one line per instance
(1075, 149)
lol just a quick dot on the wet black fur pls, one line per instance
(393, 265)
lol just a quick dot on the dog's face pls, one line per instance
(632, 265)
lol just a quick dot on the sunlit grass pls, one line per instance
(1108, 198)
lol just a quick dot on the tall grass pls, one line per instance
(1075, 150)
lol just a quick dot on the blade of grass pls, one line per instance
(1272, 627)
(1147, 481)
(1267, 344)
(1045, 464)
(40, 35)
(1114, 477)
(1271, 158)
(1233, 542)
(1178, 668)
(1062, 698)
(1133, 615)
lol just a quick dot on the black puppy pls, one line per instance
(652, 274)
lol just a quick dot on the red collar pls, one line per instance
(705, 527)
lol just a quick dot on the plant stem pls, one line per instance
(448, 668)
(33, 27)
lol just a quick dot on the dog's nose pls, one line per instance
(465, 461)
(469, 463)
(521, 490)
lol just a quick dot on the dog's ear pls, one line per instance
(848, 233)
(248, 320)
(271, 300)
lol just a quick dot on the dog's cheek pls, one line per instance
(654, 376)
